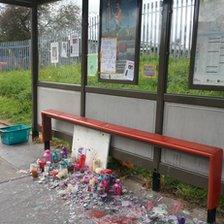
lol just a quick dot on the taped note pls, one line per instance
(129, 70)
(108, 55)
(74, 45)
(64, 49)
(54, 53)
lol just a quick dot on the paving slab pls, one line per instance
(24, 201)
(21, 155)
(15, 158)
(7, 171)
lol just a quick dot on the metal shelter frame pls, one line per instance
(161, 97)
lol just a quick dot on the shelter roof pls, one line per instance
(26, 3)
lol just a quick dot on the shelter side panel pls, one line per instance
(129, 112)
(194, 123)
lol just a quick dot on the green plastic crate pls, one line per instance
(15, 134)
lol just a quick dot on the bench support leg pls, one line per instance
(155, 181)
(35, 134)
(46, 131)
(46, 145)
(214, 185)
(211, 214)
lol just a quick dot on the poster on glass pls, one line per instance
(74, 45)
(92, 64)
(64, 49)
(54, 52)
(207, 52)
(120, 23)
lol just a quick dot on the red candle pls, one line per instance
(77, 167)
(82, 160)
(42, 163)
(117, 188)
(106, 171)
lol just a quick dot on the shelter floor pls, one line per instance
(24, 201)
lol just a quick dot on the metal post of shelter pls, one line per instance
(162, 84)
(34, 69)
(84, 71)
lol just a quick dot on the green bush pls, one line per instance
(15, 96)
(14, 82)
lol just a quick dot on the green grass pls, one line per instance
(64, 74)
(15, 86)
(177, 79)
(148, 84)
(71, 74)
(15, 96)
(197, 197)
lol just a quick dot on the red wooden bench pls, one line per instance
(215, 155)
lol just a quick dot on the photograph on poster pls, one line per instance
(74, 45)
(207, 61)
(64, 49)
(119, 39)
(54, 52)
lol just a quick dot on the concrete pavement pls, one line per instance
(22, 200)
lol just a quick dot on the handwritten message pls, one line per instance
(108, 55)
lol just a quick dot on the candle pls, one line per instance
(62, 173)
(96, 164)
(54, 172)
(64, 152)
(106, 171)
(117, 188)
(47, 155)
(47, 168)
(34, 170)
(98, 170)
(41, 163)
(85, 179)
(82, 160)
(55, 156)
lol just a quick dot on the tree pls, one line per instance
(15, 21)
(59, 19)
